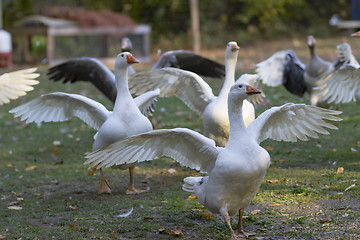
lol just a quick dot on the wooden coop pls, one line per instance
(65, 33)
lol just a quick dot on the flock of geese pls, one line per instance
(229, 151)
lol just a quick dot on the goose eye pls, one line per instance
(240, 86)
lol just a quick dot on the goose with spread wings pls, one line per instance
(235, 172)
(94, 71)
(343, 86)
(125, 120)
(198, 95)
(284, 67)
(16, 84)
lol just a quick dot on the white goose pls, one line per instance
(125, 120)
(16, 84)
(343, 86)
(235, 172)
(197, 94)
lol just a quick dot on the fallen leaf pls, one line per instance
(207, 215)
(13, 203)
(191, 197)
(345, 215)
(161, 230)
(273, 181)
(284, 179)
(171, 171)
(197, 210)
(73, 207)
(340, 170)
(2, 236)
(71, 225)
(177, 232)
(325, 220)
(10, 166)
(15, 208)
(30, 168)
(270, 148)
(256, 211)
(274, 204)
(55, 151)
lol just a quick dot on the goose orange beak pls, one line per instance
(357, 34)
(234, 47)
(251, 90)
(130, 59)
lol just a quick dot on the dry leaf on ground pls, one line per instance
(256, 211)
(177, 232)
(325, 220)
(15, 208)
(207, 216)
(73, 207)
(30, 168)
(340, 170)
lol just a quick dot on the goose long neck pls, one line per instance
(237, 124)
(121, 83)
(230, 64)
(312, 51)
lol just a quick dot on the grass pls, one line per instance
(41, 171)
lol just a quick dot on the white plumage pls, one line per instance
(343, 86)
(236, 171)
(197, 94)
(16, 84)
(125, 120)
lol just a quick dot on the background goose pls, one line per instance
(285, 68)
(198, 95)
(94, 71)
(125, 120)
(236, 171)
(16, 84)
(342, 86)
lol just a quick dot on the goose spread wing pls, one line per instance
(186, 85)
(190, 61)
(291, 121)
(86, 69)
(342, 86)
(146, 102)
(271, 70)
(58, 106)
(187, 147)
(16, 84)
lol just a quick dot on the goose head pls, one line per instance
(311, 41)
(242, 90)
(126, 45)
(124, 59)
(344, 51)
(232, 50)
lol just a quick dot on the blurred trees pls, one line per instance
(220, 21)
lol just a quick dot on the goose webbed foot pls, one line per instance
(104, 185)
(131, 190)
(240, 229)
